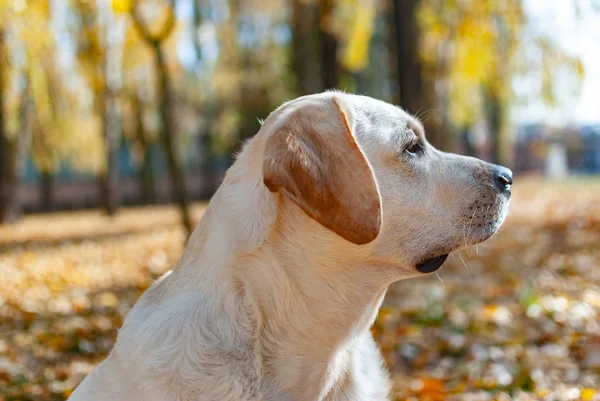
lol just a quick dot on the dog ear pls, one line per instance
(313, 158)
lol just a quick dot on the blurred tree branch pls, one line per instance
(197, 22)
(165, 99)
(144, 30)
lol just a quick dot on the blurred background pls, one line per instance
(118, 119)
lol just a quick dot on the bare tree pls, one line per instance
(155, 41)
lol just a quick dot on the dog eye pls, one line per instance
(414, 149)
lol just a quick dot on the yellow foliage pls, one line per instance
(12, 104)
(579, 69)
(356, 51)
(40, 95)
(87, 148)
(137, 57)
(434, 31)
(464, 111)
(471, 45)
(121, 6)
(474, 53)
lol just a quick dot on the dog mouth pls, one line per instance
(431, 265)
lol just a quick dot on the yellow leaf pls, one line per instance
(121, 6)
(428, 389)
(587, 394)
(580, 69)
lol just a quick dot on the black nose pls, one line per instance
(503, 178)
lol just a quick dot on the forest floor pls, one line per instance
(514, 318)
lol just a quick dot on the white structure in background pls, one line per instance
(556, 161)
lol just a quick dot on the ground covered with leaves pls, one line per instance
(514, 318)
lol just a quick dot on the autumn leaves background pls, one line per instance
(130, 106)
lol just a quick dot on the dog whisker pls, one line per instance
(417, 115)
(420, 116)
(427, 119)
(438, 276)
(470, 225)
(465, 233)
(421, 113)
(463, 261)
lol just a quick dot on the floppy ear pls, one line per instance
(313, 158)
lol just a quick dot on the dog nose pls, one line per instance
(503, 178)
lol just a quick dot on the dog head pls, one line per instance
(363, 169)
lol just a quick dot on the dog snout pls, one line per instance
(503, 178)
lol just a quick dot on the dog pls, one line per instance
(336, 197)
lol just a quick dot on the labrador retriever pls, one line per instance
(336, 197)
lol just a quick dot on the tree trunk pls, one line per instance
(11, 152)
(408, 66)
(299, 41)
(494, 124)
(197, 22)
(305, 40)
(9, 204)
(440, 125)
(392, 59)
(46, 196)
(146, 176)
(466, 140)
(417, 95)
(207, 167)
(109, 182)
(329, 47)
(168, 136)
(7, 154)
(165, 107)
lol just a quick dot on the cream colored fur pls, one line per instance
(268, 304)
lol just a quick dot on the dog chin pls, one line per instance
(435, 261)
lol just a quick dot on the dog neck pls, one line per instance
(314, 297)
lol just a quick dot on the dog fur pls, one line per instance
(277, 288)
